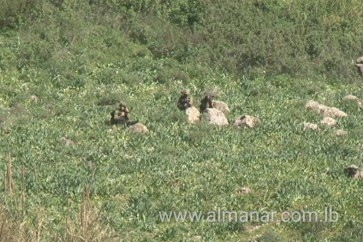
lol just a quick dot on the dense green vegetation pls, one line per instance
(266, 58)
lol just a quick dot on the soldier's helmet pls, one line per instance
(211, 94)
(122, 107)
(185, 92)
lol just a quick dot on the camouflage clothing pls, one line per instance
(184, 102)
(122, 116)
(207, 102)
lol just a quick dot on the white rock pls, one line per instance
(328, 121)
(193, 115)
(334, 112)
(222, 106)
(243, 191)
(353, 98)
(139, 128)
(215, 117)
(340, 132)
(66, 142)
(313, 105)
(34, 98)
(312, 126)
(247, 121)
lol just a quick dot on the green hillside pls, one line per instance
(66, 64)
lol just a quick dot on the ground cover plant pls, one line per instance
(65, 65)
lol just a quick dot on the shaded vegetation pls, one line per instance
(250, 38)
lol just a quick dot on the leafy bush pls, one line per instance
(12, 13)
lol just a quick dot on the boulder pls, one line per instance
(66, 142)
(311, 126)
(215, 117)
(193, 115)
(243, 191)
(328, 121)
(34, 98)
(334, 112)
(222, 106)
(353, 98)
(247, 121)
(340, 132)
(353, 172)
(139, 128)
(313, 105)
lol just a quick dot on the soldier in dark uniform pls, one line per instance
(207, 102)
(185, 101)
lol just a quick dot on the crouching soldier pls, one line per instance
(122, 116)
(207, 102)
(185, 101)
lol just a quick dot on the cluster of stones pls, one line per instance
(330, 114)
(215, 112)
